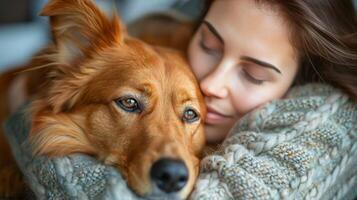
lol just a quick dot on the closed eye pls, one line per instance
(208, 50)
(251, 78)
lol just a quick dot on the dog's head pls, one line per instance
(133, 106)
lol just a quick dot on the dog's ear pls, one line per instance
(79, 28)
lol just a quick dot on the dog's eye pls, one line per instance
(190, 115)
(128, 104)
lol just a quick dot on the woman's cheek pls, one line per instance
(248, 99)
(201, 62)
(193, 58)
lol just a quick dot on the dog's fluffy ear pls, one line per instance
(79, 28)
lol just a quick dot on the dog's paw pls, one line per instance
(11, 182)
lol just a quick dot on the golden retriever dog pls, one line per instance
(101, 92)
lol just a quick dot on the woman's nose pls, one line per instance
(214, 84)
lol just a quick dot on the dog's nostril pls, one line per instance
(183, 179)
(169, 175)
(165, 177)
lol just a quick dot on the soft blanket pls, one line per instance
(301, 147)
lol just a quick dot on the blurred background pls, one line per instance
(23, 32)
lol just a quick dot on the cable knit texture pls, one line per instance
(301, 147)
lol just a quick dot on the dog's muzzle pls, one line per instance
(169, 175)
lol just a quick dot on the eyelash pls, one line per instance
(207, 49)
(252, 79)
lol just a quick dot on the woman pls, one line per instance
(248, 53)
(289, 142)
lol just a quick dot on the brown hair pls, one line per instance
(324, 33)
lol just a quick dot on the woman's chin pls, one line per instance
(216, 133)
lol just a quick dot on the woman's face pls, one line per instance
(243, 58)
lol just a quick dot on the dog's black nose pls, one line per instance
(169, 175)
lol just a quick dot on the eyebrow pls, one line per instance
(213, 30)
(261, 63)
(246, 58)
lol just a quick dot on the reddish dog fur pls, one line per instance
(77, 83)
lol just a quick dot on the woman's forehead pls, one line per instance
(249, 29)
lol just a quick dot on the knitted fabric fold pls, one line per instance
(74, 177)
(301, 147)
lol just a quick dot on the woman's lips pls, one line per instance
(215, 117)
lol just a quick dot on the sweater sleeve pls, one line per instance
(301, 147)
